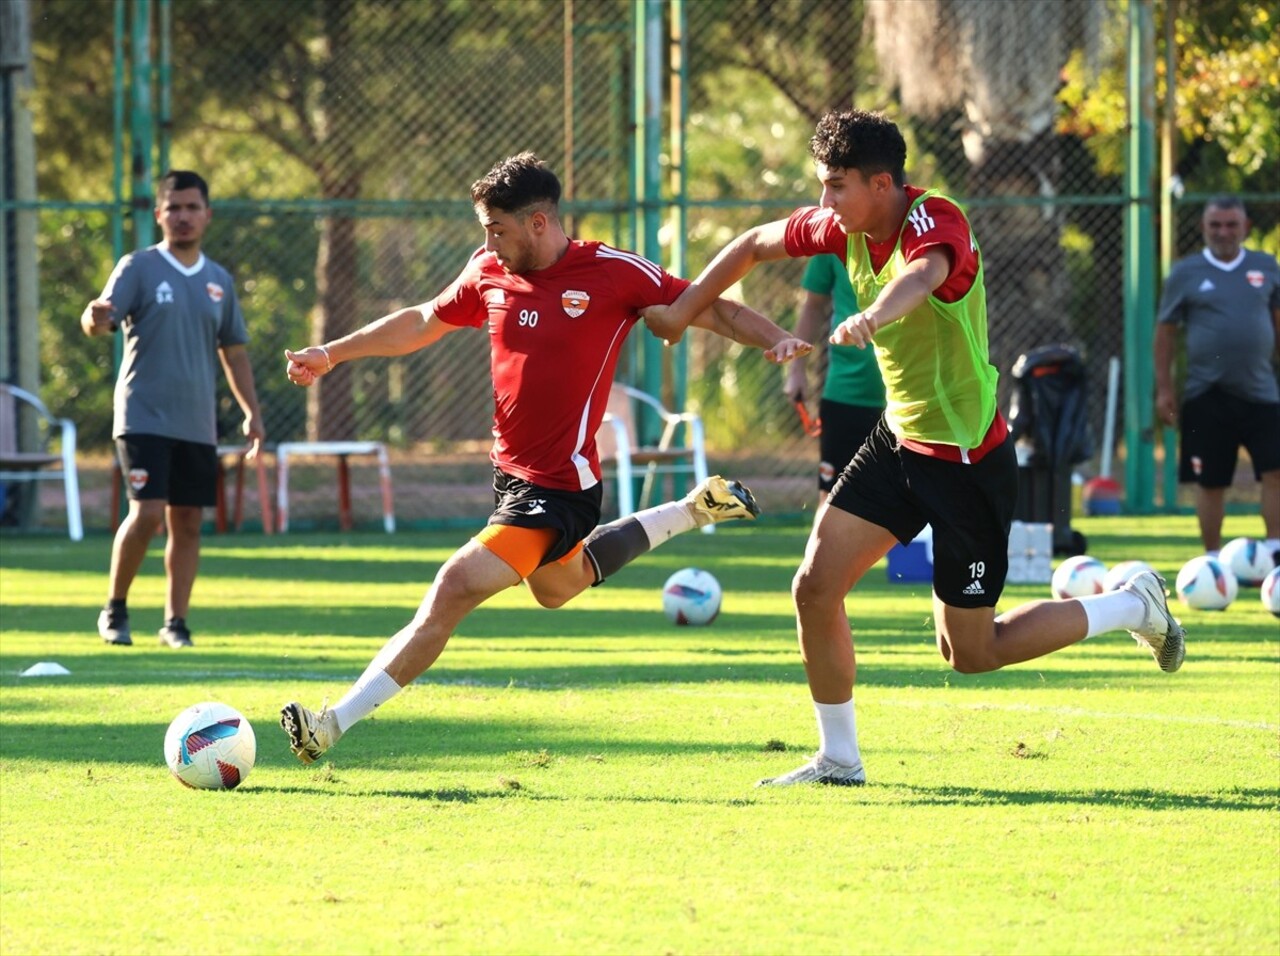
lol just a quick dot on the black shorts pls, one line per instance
(1214, 426)
(969, 507)
(844, 429)
(522, 504)
(155, 467)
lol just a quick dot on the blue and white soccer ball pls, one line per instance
(1078, 576)
(1247, 559)
(691, 596)
(1270, 592)
(1205, 584)
(210, 746)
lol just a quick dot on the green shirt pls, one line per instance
(938, 381)
(853, 378)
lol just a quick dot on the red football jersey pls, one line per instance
(555, 337)
(811, 231)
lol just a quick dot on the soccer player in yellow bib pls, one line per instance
(941, 455)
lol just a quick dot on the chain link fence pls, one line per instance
(340, 138)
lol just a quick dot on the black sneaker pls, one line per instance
(175, 634)
(113, 627)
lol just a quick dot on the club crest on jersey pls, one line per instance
(138, 478)
(1254, 278)
(574, 302)
(214, 290)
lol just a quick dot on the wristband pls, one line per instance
(328, 362)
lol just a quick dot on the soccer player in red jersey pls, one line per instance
(557, 311)
(941, 454)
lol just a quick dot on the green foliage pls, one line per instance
(1227, 90)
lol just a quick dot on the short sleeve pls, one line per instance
(232, 329)
(1172, 298)
(462, 302)
(811, 231)
(121, 289)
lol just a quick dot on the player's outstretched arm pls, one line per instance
(745, 325)
(399, 333)
(900, 296)
(740, 256)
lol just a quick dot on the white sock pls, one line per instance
(665, 521)
(838, 733)
(1113, 611)
(1211, 552)
(374, 688)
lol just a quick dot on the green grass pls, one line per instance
(580, 781)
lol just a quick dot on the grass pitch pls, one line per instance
(580, 780)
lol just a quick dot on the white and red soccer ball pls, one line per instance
(1247, 559)
(1205, 584)
(1078, 576)
(1270, 592)
(210, 746)
(691, 596)
(1123, 572)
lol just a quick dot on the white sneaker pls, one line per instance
(1160, 631)
(820, 770)
(718, 500)
(310, 735)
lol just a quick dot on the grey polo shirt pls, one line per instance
(1225, 308)
(175, 319)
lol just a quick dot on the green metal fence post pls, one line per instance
(1139, 264)
(142, 127)
(164, 84)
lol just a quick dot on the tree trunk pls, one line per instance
(331, 407)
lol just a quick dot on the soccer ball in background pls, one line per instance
(691, 596)
(1247, 559)
(1078, 576)
(1122, 572)
(1205, 584)
(210, 746)
(1270, 593)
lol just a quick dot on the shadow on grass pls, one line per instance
(1238, 798)
(443, 795)
(492, 665)
(400, 745)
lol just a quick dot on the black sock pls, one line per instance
(612, 546)
(176, 622)
(118, 606)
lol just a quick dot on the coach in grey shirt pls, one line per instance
(180, 316)
(1227, 301)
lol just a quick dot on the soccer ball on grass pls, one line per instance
(1205, 584)
(1078, 576)
(1270, 592)
(691, 596)
(210, 746)
(1122, 572)
(1247, 559)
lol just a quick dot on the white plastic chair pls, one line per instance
(617, 446)
(16, 465)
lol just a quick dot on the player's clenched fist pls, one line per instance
(307, 365)
(856, 330)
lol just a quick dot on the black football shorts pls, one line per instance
(969, 506)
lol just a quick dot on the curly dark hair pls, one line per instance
(517, 183)
(855, 139)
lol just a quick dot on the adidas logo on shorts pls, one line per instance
(973, 589)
